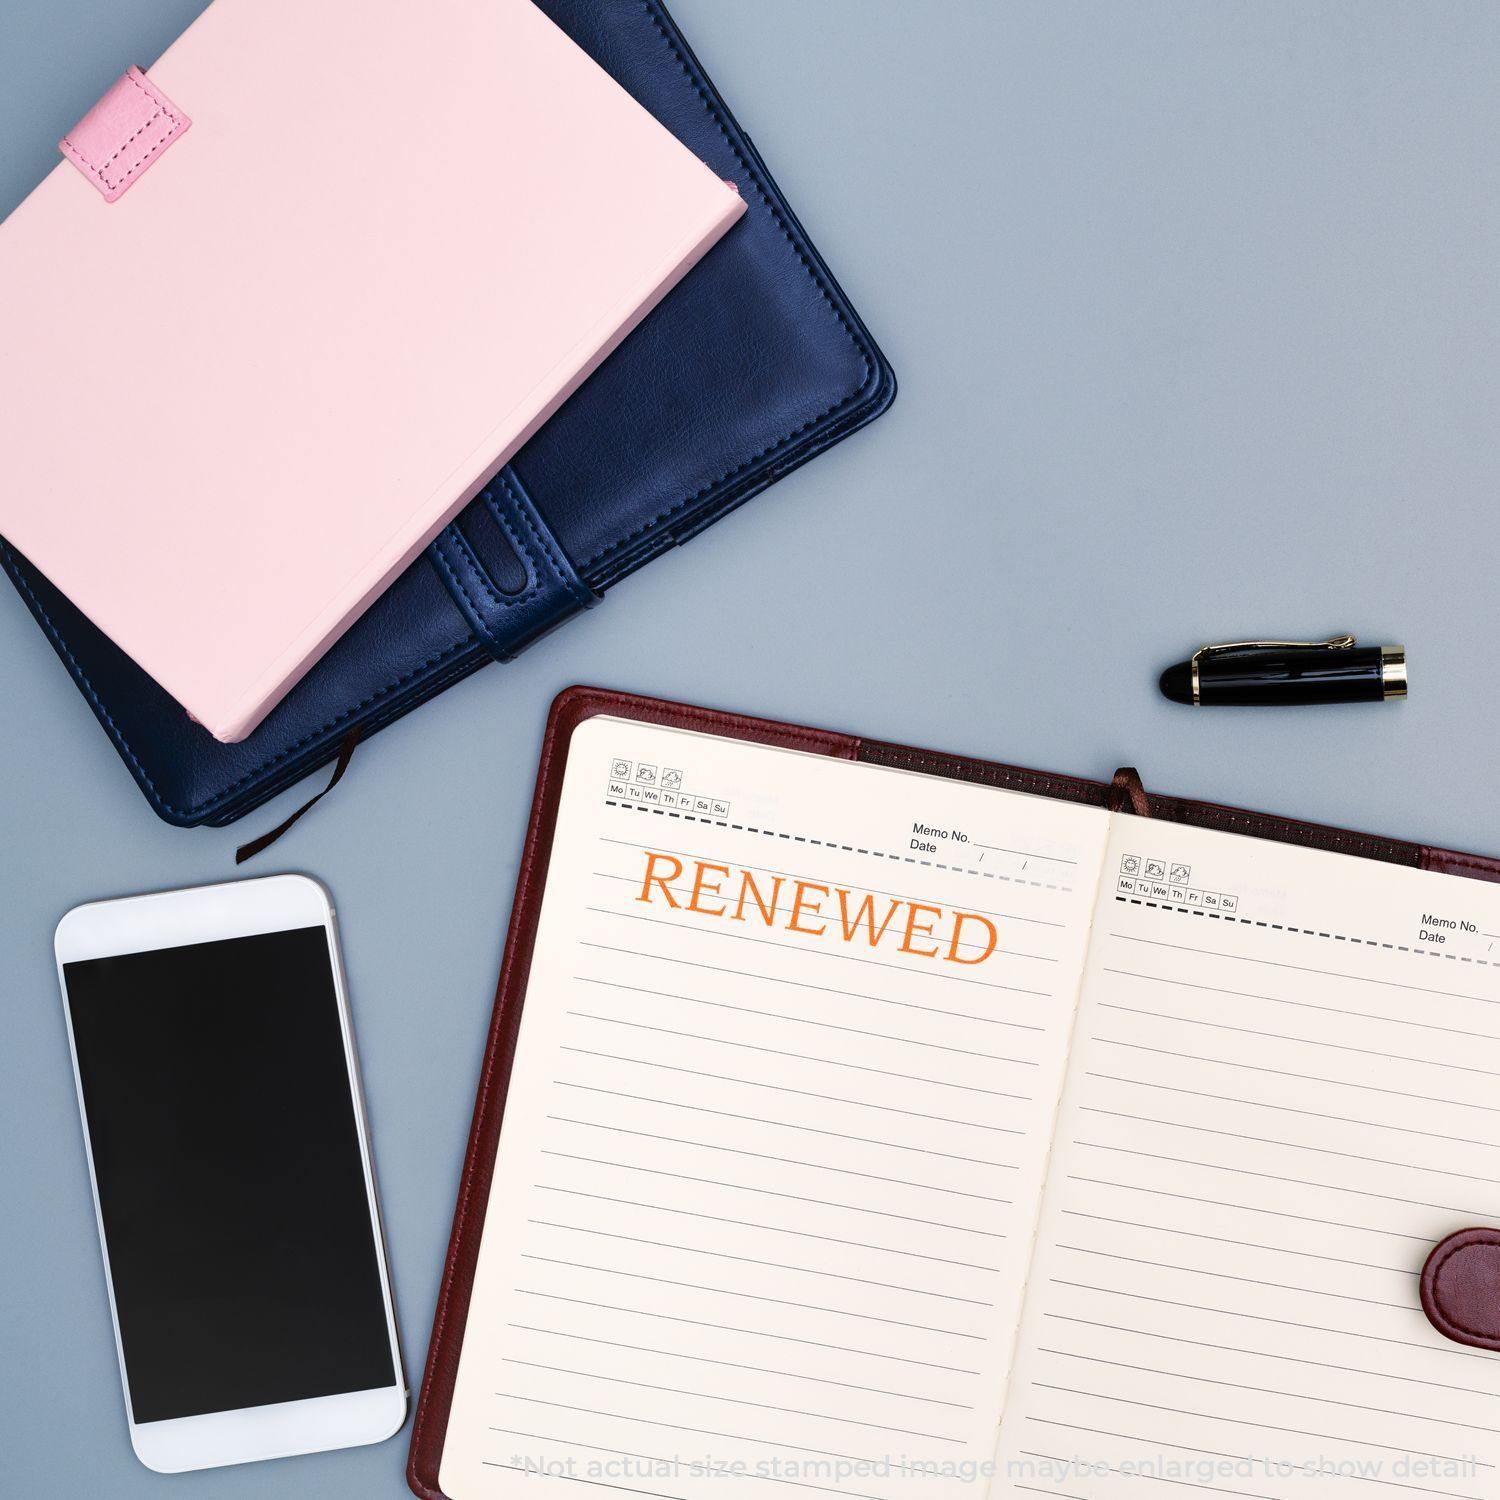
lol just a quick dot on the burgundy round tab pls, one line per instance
(1461, 1287)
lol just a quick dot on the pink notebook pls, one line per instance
(294, 295)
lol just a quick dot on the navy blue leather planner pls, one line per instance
(754, 364)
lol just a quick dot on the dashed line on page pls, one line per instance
(800, 838)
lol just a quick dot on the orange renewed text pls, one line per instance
(831, 912)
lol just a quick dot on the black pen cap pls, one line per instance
(1281, 673)
(1177, 682)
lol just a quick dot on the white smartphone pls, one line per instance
(231, 1172)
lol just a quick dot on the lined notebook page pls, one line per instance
(1282, 1093)
(770, 1168)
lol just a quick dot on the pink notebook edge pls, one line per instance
(371, 578)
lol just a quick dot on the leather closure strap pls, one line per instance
(124, 134)
(1461, 1287)
(504, 619)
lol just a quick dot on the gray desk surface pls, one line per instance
(1195, 314)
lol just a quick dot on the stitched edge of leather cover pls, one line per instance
(570, 709)
(1448, 1321)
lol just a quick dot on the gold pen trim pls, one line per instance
(1393, 671)
(1337, 642)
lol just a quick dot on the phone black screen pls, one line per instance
(225, 1148)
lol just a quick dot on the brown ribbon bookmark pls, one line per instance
(1126, 794)
(255, 846)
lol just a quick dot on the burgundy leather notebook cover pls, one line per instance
(578, 704)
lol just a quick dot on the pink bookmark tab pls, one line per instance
(123, 134)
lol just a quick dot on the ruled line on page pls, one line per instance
(750, 1260)
(1301, 1005)
(1342, 1083)
(703, 1109)
(771, 1015)
(762, 1155)
(1266, 1140)
(761, 1333)
(1249, 1208)
(1280, 1286)
(802, 984)
(719, 1041)
(1250, 958)
(791, 1161)
(690, 1213)
(1331, 1187)
(782, 1088)
(1236, 1385)
(1332, 1010)
(673, 1390)
(1304, 1041)
(805, 952)
(1330, 1437)
(1318, 1364)
(703, 1359)
(1148, 1083)
(746, 1188)
(842, 1312)
(725, 1041)
(1221, 1239)
(1234, 1312)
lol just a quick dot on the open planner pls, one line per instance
(861, 1121)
